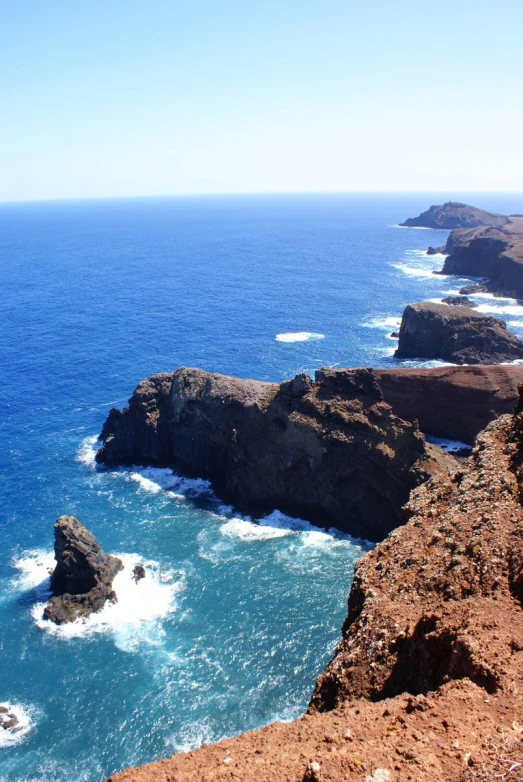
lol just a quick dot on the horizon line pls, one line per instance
(252, 193)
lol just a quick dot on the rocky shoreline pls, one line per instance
(425, 683)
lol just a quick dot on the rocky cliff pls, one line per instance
(331, 451)
(456, 334)
(454, 215)
(426, 681)
(495, 253)
(82, 579)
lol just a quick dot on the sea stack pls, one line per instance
(456, 334)
(82, 579)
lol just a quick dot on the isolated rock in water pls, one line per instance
(8, 720)
(138, 573)
(459, 301)
(82, 579)
(436, 250)
(454, 215)
(478, 287)
(455, 334)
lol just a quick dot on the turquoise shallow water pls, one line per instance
(234, 621)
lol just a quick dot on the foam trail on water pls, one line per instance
(418, 271)
(9, 737)
(87, 451)
(298, 336)
(388, 322)
(133, 620)
(248, 531)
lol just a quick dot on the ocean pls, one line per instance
(234, 620)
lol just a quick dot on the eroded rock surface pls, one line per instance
(456, 334)
(82, 579)
(331, 451)
(426, 682)
(8, 720)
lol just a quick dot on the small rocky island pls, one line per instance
(8, 719)
(456, 334)
(82, 579)
(453, 215)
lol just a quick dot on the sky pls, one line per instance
(104, 98)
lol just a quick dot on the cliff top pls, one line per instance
(453, 215)
(510, 233)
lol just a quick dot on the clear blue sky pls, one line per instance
(106, 97)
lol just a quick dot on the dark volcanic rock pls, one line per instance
(478, 287)
(455, 334)
(331, 451)
(495, 253)
(454, 215)
(83, 576)
(435, 250)
(138, 573)
(8, 720)
(459, 301)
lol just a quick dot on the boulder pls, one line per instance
(459, 301)
(82, 579)
(8, 720)
(455, 334)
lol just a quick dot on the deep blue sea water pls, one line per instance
(234, 620)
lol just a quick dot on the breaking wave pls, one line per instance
(298, 336)
(9, 737)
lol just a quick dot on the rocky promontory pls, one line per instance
(425, 683)
(495, 253)
(453, 215)
(456, 334)
(82, 579)
(330, 451)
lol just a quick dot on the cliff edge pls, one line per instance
(453, 215)
(426, 681)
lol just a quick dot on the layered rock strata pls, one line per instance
(82, 579)
(456, 334)
(426, 681)
(331, 451)
(453, 215)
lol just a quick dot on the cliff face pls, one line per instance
(426, 681)
(330, 451)
(456, 334)
(495, 253)
(452, 402)
(454, 215)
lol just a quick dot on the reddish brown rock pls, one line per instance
(426, 682)
(452, 215)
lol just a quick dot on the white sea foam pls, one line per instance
(249, 531)
(87, 451)
(298, 336)
(25, 716)
(133, 620)
(452, 446)
(387, 323)
(418, 271)
(159, 479)
(500, 309)
(413, 227)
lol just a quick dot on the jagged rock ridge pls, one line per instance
(331, 451)
(82, 579)
(456, 334)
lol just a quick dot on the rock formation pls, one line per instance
(436, 250)
(426, 682)
(454, 215)
(460, 301)
(451, 402)
(8, 720)
(495, 253)
(331, 451)
(455, 334)
(82, 579)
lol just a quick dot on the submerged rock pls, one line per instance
(455, 334)
(459, 301)
(82, 579)
(8, 720)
